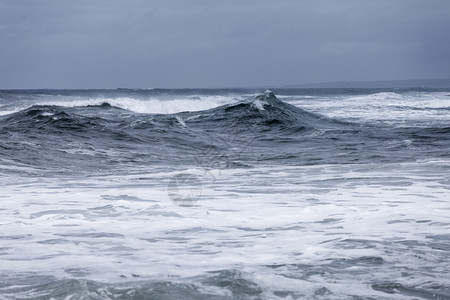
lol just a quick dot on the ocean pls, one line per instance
(225, 194)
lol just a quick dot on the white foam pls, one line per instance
(246, 219)
(6, 110)
(259, 104)
(168, 106)
(150, 105)
(406, 109)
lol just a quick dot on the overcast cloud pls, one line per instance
(218, 43)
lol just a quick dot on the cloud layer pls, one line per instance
(187, 43)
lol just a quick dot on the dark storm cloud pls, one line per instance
(211, 43)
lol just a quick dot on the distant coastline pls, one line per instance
(416, 83)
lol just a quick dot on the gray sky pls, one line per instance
(219, 43)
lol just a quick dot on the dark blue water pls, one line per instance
(253, 132)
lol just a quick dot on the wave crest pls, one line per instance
(264, 109)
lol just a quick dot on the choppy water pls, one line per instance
(225, 194)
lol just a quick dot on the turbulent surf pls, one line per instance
(224, 194)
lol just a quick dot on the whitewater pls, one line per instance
(225, 194)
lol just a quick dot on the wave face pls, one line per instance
(103, 131)
(224, 194)
(248, 131)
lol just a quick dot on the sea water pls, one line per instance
(225, 194)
